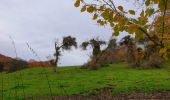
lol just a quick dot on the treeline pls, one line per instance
(142, 54)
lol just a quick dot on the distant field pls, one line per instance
(73, 80)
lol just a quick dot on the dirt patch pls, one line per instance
(129, 96)
(106, 94)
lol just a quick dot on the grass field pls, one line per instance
(73, 80)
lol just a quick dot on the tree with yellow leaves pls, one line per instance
(105, 12)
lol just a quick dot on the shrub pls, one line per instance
(131, 55)
(1, 66)
(155, 61)
(168, 56)
(143, 59)
(121, 54)
(107, 56)
(91, 64)
(14, 65)
(148, 58)
(152, 57)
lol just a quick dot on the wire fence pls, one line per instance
(20, 74)
(44, 71)
(13, 88)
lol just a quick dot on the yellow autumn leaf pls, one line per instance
(90, 9)
(163, 53)
(147, 3)
(120, 8)
(142, 13)
(150, 43)
(112, 24)
(132, 12)
(155, 1)
(83, 9)
(162, 50)
(77, 3)
(100, 22)
(95, 16)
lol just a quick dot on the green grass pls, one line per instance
(73, 80)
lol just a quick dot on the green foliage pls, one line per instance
(95, 43)
(112, 43)
(127, 40)
(84, 45)
(68, 42)
(132, 12)
(149, 11)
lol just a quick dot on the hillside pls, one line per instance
(4, 58)
(117, 78)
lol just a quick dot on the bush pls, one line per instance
(168, 56)
(14, 65)
(155, 61)
(1, 66)
(91, 64)
(131, 55)
(107, 56)
(148, 58)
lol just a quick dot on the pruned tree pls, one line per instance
(95, 43)
(112, 44)
(67, 43)
(121, 19)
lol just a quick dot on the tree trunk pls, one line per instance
(56, 64)
(57, 54)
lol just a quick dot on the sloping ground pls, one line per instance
(4, 58)
(76, 82)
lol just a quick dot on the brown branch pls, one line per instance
(113, 5)
(164, 14)
(108, 4)
(146, 33)
(86, 4)
(150, 38)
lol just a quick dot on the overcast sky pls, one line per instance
(39, 22)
